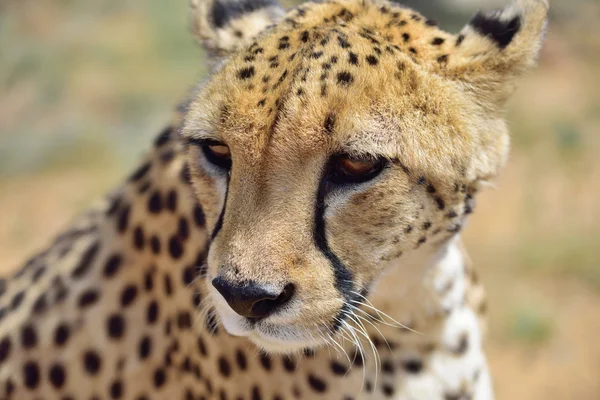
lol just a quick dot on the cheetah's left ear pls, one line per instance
(496, 48)
(223, 26)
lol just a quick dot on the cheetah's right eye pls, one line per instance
(216, 153)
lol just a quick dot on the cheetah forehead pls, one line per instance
(341, 74)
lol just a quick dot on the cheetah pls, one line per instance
(294, 233)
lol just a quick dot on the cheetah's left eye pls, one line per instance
(345, 169)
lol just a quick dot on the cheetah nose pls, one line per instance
(253, 300)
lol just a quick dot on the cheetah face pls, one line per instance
(347, 140)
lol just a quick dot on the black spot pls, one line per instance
(183, 229)
(155, 203)
(317, 54)
(372, 60)
(163, 138)
(172, 200)
(441, 204)
(155, 244)
(459, 40)
(438, 41)
(288, 364)
(5, 347)
(224, 367)
(304, 36)
(28, 337)
(388, 367)
(184, 320)
(152, 312)
(115, 326)
(491, 26)
(145, 347)
(168, 285)
(261, 102)
(112, 265)
(265, 361)
(352, 58)
(123, 218)
(40, 305)
(57, 375)
(387, 390)
(86, 261)
(175, 248)
(185, 175)
(16, 300)
(317, 384)
(344, 78)
(256, 393)
(426, 225)
(88, 298)
(240, 358)
(140, 172)
(338, 369)
(357, 359)
(128, 295)
(61, 334)
(329, 123)
(31, 374)
(202, 347)
(160, 377)
(406, 37)
(463, 344)
(431, 22)
(197, 299)
(39, 272)
(412, 50)
(116, 390)
(413, 366)
(138, 238)
(246, 73)
(443, 59)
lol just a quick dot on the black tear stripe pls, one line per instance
(341, 273)
(219, 224)
(223, 12)
(491, 26)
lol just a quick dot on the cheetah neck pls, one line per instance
(418, 289)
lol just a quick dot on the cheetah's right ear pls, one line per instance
(224, 26)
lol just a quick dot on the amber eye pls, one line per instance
(216, 153)
(219, 150)
(345, 169)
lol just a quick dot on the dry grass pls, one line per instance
(84, 85)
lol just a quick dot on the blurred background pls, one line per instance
(84, 85)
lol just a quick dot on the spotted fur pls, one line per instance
(385, 303)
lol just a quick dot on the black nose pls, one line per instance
(251, 299)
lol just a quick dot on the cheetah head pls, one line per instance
(337, 141)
